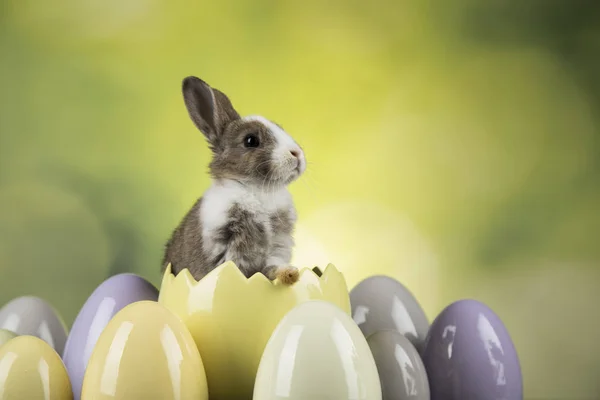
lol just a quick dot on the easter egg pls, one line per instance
(107, 299)
(317, 352)
(231, 317)
(6, 335)
(145, 352)
(401, 370)
(31, 369)
(382, 303)
(469, 355)
(33, 316)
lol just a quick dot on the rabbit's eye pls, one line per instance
(251, 140)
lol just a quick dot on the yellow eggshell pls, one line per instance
(31, 369)
(231, 317)
(317, 352)
(145, 352)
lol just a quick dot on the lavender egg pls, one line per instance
(107, 299)
(469, 355)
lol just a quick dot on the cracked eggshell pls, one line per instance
(231, 317)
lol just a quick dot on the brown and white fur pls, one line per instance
(247, 215)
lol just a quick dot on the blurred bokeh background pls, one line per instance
(453, 145)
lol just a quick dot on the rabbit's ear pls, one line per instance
(210, 110)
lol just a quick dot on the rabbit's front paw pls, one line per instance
(287, 275)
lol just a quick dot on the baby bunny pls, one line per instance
(247, 214)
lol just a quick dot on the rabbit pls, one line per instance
(247, 215)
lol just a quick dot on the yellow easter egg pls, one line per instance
(231, 317)
(31, 369)
(145, 352)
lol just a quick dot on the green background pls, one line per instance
(453, 145)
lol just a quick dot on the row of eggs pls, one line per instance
(210, 338)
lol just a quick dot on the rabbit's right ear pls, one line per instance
(210, 110)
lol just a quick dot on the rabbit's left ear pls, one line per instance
(210, 110)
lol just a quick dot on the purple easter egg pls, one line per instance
(469, 355)
(107, 299)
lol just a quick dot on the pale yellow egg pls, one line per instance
(145, 352)
(232, 317)
(317, 352)
(30, 369)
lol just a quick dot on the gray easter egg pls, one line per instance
(469, 355)
(401, 370)
(6, 335)
(382, 303)
(33, 316)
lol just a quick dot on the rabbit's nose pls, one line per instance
(300, 161)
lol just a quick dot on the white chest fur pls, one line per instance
(221, 196)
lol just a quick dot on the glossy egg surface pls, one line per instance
(107, 299)
(29, 315)
(382, 303)
(231, 317)
(145, 352)
(317, 352)
(401, 370)
(31, 370)
(469, 355)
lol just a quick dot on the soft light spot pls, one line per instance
(360, 315)
(363, 239)
(308, 251)
(174, 358)
(108, 383)
(287, 361)
(44, 371)
(45, 334)
(6, 364)
(407, 366)
(402, 318)
(449, 330)
(347, 353)
(101, 318)
(490, 340)
(12, 322)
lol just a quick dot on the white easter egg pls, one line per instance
(317, 352)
